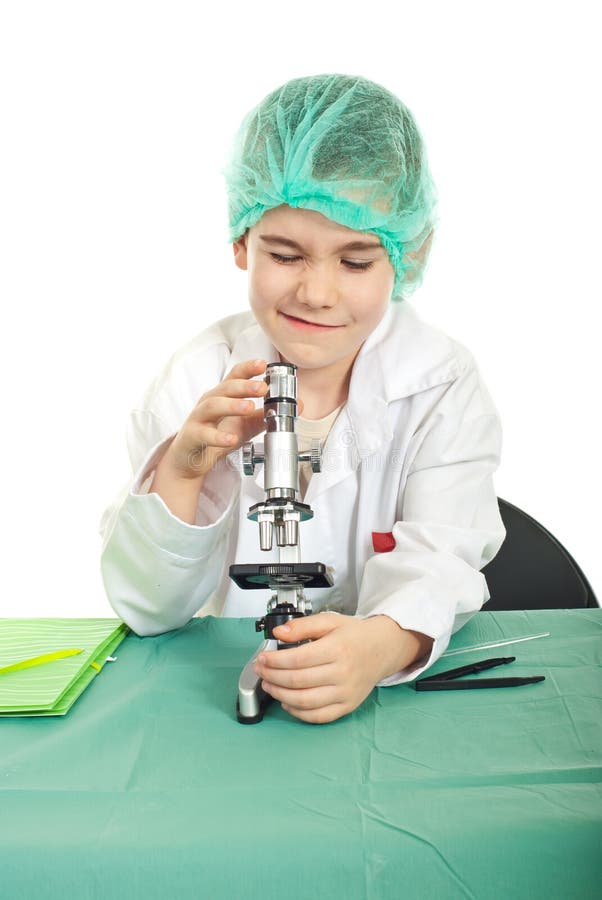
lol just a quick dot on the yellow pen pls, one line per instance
(38, 660)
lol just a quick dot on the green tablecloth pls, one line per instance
(150, 788)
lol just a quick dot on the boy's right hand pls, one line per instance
(221, 421)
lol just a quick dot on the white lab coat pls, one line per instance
(412, 453)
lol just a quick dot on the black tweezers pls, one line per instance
(445, 681)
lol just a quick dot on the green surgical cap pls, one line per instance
(346, 147)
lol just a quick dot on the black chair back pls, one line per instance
(532, 570)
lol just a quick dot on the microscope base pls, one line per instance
(252, 720)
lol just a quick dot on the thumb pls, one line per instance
(307, 627)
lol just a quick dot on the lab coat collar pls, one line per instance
(401, 357)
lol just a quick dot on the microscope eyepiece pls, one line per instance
(281, 398)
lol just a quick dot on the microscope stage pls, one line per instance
(257, 576)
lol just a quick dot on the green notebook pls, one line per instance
(45, 664)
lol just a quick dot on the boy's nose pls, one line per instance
(317, 289)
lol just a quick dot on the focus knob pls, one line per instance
(313, 456)
(248, 464)
(316, 457)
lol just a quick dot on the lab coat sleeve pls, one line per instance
(450, 524)
(158, 570)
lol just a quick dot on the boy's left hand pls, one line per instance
(328, 678)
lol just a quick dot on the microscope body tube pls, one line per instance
(281, 473)
(281, 467)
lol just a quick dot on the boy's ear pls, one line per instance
(240, 251)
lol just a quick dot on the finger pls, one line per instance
(202, 457)
(317, 716)
(309, 627)
(206, 437)
(247, 368)
(314, 653)
(235, 387)
(214, 409)
(298, 679)
(313, 698)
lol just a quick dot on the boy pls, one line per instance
(331, 214)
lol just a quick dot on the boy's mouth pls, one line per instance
(304, 324)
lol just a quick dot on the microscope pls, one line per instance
(280, 513)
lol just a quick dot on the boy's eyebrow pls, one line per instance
(352, 245)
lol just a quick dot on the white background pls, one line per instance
(116, 119)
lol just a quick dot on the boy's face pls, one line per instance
(317, 282)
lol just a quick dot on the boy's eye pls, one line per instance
(352, 265)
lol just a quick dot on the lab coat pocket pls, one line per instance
(383, 541)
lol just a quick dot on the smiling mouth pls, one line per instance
(307, 322)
